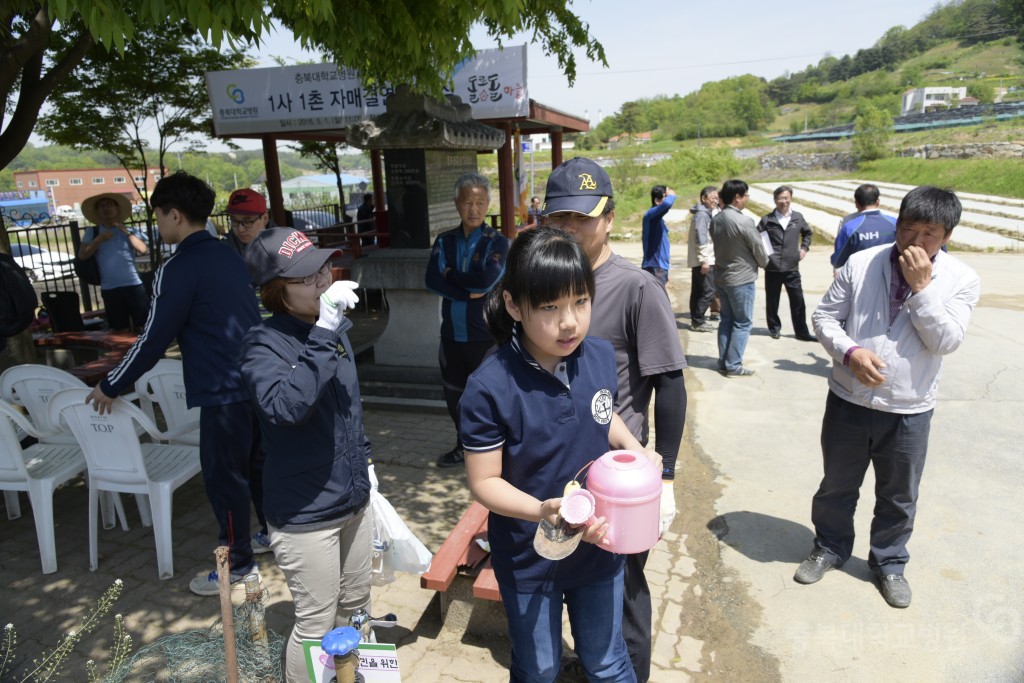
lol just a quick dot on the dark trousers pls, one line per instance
(660, 274)
(458, 361)
(124, 302)
(773, 283)
(702, 292)
(636, 616)
(853, 437)
(232, 461)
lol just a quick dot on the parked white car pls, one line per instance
(41, 264)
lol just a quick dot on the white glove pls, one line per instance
(373, 479)
(668, 505)
(338, 298)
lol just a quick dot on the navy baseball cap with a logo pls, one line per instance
(284, 252)
(578, 185)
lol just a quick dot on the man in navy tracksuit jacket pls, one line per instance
(655, 233)
(465, 264)
(202, 297)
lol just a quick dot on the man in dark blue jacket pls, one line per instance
(466, 262)
(866, 228)
(202, 297)
(790, 238)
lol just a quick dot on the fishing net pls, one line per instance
(198, 656)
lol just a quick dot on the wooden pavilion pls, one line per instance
(540, 119)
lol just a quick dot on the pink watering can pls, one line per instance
(626, 487)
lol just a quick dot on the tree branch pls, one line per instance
(34, 90)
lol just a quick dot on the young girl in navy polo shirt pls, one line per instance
(533, 415)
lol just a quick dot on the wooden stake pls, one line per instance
(222, 554)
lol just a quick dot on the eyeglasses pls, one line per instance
(247, 223)
(565, 219)
(310, 280)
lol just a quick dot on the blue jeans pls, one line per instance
(595, 615)
(734, 328)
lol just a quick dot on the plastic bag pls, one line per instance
(395, 547)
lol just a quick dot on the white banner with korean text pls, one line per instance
(325, 96)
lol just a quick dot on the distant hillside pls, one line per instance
(972, 43)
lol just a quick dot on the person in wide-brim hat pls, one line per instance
(123, 204)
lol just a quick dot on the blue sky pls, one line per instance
(668, 48)
(665, 48)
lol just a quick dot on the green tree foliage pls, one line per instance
(43, 41)
(967, 21)
(732, 107)
(632, 118)
(872, 133)
(115, 100)
(983, 90)
(701, 166)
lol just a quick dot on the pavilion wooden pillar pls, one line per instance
(556, 149)
(377, 172)
(506, 183)
(273, 168)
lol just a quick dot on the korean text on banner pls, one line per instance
(325, 96)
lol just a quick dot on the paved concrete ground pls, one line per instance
(762, 433)
(759, 437)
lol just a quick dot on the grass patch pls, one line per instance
(984, 176)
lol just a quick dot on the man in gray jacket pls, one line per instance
(738, 253)
(891, 314)
(700, 256)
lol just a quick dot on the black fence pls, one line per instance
(47, 248)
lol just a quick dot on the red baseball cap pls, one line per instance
(247, 202)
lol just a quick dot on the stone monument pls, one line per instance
(427, 145)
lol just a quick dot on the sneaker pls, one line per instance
(895, 590)
(703, 327)
(261, 543)
(742, 371)
(210, 584)
(714, 317)
(774, 334)
(814, 567)
(452, 458)
(572, 671)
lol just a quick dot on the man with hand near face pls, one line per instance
(891, 314)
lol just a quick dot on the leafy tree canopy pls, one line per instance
(393, 40)
(115, 99)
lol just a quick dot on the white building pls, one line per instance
(920, 100)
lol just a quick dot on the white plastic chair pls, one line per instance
(118, 461)
(164, 386)
(31, 387)
(37, 470)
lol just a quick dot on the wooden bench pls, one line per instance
(460, 551)
(346, 237)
